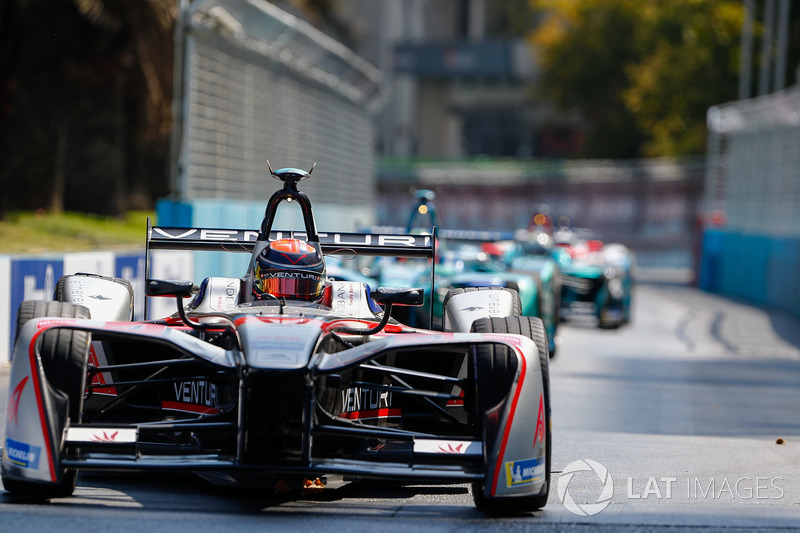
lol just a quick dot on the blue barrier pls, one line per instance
(760, 269)
(35, 278)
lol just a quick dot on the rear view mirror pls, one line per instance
(160, 287)
(397, 296)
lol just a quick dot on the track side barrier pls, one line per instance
(35, 277)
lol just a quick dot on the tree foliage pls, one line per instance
(642, 74)
(86, 92)
(85, 100)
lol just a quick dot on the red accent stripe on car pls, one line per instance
(37, 389)
(189, 408)
(499, 466)
(98, 379)
(13, 404)
(457, 403)
(366, 324)
(372, 413)
(301, 321)
(538, 435)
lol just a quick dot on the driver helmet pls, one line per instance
(289, 268)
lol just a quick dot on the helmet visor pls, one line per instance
(303, 285)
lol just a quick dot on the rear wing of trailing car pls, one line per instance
(447, 234)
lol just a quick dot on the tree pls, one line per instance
(85, 100)
(642, 74)
(689, 62)
(86, 95)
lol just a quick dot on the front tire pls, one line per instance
(494, 361)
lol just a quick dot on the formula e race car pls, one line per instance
(469, 259)
(465, 266)
(281, 378)
(597, 279)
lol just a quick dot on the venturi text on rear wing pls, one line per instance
(237, 240)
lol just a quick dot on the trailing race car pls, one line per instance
(466, 266)
(280, 378)
(468, 259)
(535, 258)
(597, 279)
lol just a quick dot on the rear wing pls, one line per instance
(237, 240)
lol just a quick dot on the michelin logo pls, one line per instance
(524, 472)
(23, 455)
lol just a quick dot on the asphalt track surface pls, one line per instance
(688, 418)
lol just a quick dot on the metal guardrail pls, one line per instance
(647, 204)
(753, 176)
(254, 82)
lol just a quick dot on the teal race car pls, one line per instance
(597, 279)
(537, 260)
(466, 266)
(466, 260)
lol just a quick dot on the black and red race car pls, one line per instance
(281, 377)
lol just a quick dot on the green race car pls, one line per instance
(597, 280)
(466, 266)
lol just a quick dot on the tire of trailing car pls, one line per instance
(517, 303)
(60, 293)
(64, 354)
(494, 372)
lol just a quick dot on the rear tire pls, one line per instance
(489, 360)
(64, 354)
(516, 302)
